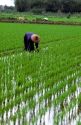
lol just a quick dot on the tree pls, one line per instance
(52, 5)
(65, 6)
(22, 5)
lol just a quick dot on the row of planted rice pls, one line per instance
(45, 87)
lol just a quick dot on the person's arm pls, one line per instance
(36, 44)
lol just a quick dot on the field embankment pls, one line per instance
(41, 19)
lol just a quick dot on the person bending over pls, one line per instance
(31, 41)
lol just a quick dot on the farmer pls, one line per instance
(31, 41)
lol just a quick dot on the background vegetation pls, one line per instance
(40, 6)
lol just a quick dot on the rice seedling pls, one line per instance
(35, 87)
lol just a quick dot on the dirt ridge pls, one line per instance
(13, 20)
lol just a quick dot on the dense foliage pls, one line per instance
(48, 5)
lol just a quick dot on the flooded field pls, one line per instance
(40, 88)
(40, 100)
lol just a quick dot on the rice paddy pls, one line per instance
(40, 88)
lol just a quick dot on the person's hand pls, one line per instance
(37, 50)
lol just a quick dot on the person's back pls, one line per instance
(28, 35)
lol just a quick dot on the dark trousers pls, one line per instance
(28, 44)
(25, 43)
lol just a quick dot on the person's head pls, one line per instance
(35, 38)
